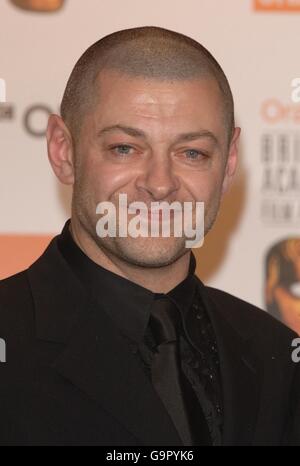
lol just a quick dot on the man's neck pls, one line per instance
(155, 279)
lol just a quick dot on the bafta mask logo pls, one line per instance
(39, 5)
(282, 289)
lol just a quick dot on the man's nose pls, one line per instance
(158, 180)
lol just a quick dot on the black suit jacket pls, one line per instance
(71, 379)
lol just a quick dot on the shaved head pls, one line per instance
(148, 52)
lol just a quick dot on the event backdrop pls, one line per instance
(254, 249)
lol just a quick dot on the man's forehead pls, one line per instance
(138, 102)
(156, 99)
(118, 80)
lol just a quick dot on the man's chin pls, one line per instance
(147, 252)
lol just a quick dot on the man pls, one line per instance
(112, 340)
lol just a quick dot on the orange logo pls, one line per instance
(39, 5)
(277, 5)
(275, 111)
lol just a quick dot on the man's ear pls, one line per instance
(60, 149)
(232, 159)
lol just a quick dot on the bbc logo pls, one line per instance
(2, 90)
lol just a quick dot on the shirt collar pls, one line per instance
(127, 303)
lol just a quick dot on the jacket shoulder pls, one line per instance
(12, 287)
(247, 317)
(16, 305)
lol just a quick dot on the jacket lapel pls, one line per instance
(241, 373)
(240, 376)
(96, 357)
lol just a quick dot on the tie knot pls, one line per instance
(164, 321)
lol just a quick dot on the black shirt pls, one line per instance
(129, 306)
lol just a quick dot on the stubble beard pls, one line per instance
(150, 252)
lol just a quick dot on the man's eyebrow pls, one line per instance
(125, 129)
(184, 137)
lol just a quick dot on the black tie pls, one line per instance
(166, 373)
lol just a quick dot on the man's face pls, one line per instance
(152, 154)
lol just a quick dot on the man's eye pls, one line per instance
(194, 154)
(121, 149)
